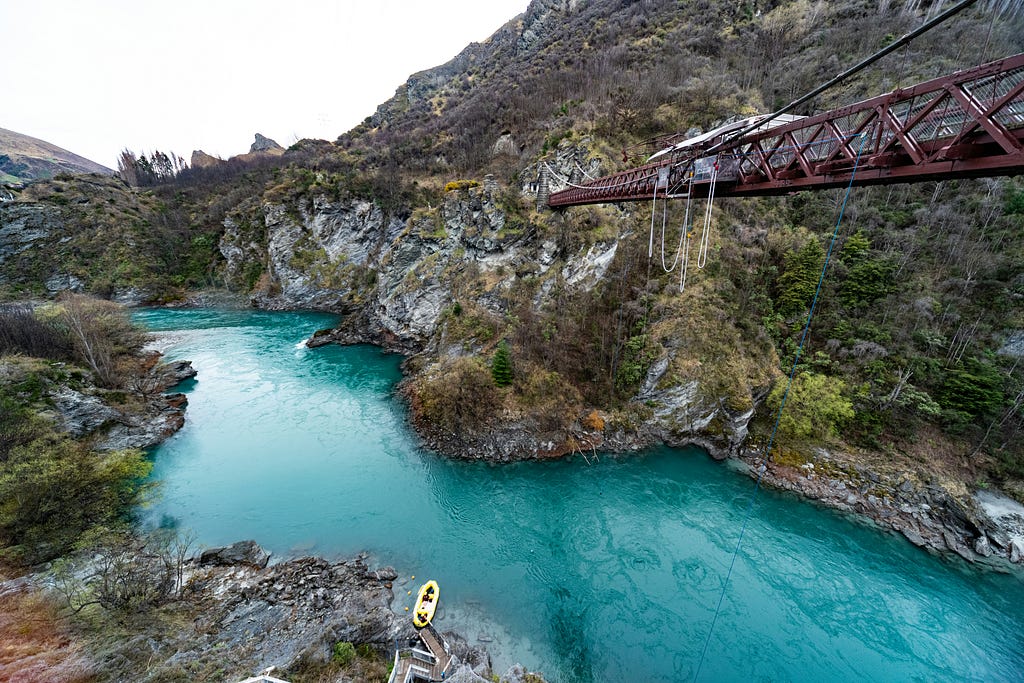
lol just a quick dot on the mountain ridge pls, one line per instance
(24, 158)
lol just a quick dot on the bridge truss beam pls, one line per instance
(967, 124)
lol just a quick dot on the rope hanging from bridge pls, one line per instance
(782, 405)
(705, 237)
(686, 238)
(682, 236)
(654, 212)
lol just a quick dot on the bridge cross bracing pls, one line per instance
(962, 125)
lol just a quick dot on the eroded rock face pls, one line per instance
(300, 609)
(80, 414)
(164, 415)
(587, 268)
(22, 225)
(1004, 524)
(317, 260)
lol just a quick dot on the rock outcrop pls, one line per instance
(316, 259)
(201, 159)
(85, 411)
(982, 528)
(24, 225)
(240, 553)
(264, 144)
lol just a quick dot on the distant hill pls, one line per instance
(25, 158)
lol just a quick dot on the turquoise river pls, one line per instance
(608, 571)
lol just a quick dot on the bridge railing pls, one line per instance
(966, 124)
(959, 124)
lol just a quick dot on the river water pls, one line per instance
(603, 572)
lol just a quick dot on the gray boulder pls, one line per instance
(1017, 550)
(242, 552)
(173, 373)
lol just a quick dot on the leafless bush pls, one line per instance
(22, 332)
(101, 334)
(126, 572)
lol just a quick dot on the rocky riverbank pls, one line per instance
(292, 615)
(140, 418)
(237, 615)
(985, 528)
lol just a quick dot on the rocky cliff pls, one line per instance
(443, 284)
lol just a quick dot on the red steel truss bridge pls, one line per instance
(964, 125)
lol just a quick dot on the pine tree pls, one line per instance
(799, 278)
(501, 366)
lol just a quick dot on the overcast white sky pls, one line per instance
(96, 76)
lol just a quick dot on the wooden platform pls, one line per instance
(430, 664)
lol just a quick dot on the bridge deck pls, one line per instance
(964, 125)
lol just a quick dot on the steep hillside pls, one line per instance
(632, 71)
(24, 158)
(426, 225)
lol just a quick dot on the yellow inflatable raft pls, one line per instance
(426, 603)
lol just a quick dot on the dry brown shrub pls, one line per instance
(594, 421)
(36, 645)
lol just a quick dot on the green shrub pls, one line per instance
(799, 278)
(344, 653)
(53, 489)
(636, 359)
(456, 185)
(976, 388)
(815, 406)
(459, 399)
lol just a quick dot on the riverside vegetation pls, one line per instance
(535, 334)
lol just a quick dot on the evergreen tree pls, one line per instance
(867, 279)
(501, 366)
(799, 278)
